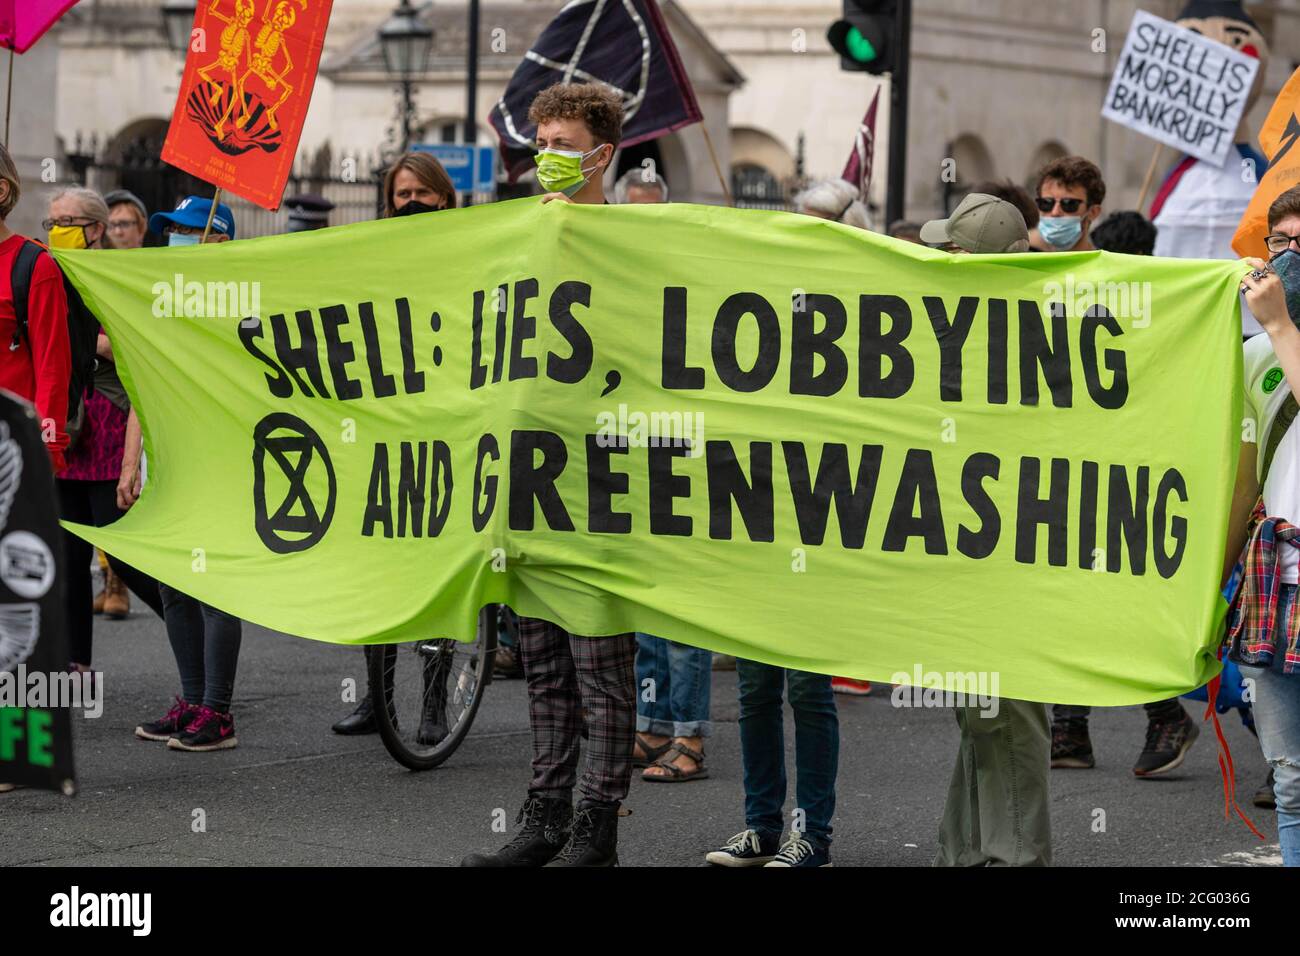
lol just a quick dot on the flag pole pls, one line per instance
(1146, 181)
(9, 95)
(708, 141)
(216, 198)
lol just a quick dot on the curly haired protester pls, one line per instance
(1264, 628)
(87, 487)
(35, 361)
(204, 640)
(416, 183)
(568, 675)
(997, 812)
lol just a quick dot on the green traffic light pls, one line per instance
(860, 48)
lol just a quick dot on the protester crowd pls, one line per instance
(997, 810)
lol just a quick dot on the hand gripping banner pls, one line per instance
(755, 432)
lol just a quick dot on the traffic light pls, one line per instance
(864, 38)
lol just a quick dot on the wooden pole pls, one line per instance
(714, 156)
(1146, 180)
(216, 198)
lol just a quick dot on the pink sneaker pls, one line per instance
(172, 723)
(209, 730)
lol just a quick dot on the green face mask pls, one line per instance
(560, 170)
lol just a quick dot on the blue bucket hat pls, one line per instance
(193, 211)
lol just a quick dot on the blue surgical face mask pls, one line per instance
(1060, 232)
(1287, 266)
(183, 239)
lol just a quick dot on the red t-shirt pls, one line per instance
(39, 369)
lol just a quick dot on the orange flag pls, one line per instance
(1278, 140)
(243, 99)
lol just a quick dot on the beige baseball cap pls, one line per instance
(982, 224)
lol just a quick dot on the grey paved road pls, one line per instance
(293, 793)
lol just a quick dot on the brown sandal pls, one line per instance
(674, 773)
(651, 753)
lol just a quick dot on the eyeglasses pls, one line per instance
(49, 224)
(121, 225)
(1046, 204)
(1280, 242)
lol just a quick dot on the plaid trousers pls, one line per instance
(566, 673)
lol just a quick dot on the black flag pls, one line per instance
(623, 44)
(35, 737)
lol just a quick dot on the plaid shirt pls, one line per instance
(1254, 611)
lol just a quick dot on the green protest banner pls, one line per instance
(749, 431)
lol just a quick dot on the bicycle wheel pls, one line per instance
(429, 691)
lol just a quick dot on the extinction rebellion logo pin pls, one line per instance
(295, 451)
(1272, 378)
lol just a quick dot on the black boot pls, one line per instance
(593, 841)
(362, 720)
(545, 828)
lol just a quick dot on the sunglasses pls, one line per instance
(1280, 242)
(1045, 204)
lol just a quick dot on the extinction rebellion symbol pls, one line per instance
(293, 447)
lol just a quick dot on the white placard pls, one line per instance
(1180, 88)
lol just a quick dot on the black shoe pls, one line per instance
(1167, 744)
(1072, 747)
(545, 829)
(1264, 798)
(593, 841)
(360, 721)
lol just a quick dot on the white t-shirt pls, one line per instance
(1266, 392)
(1201, 215)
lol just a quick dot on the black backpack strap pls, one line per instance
(1285, 416)
(20, 280)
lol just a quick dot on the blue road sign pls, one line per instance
(471, 168)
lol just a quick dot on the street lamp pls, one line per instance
(405, 43)
(178, 18)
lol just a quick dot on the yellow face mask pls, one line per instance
(68, 237)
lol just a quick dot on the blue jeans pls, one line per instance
(762, 747)
(680, 679)
(1277, 720)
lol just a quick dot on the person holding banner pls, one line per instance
(35, 360)
(574, 679)
(416, 183)
(87, 486)
(997, 812)
(204, 640)
(1171, 731)
(1265, 642)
